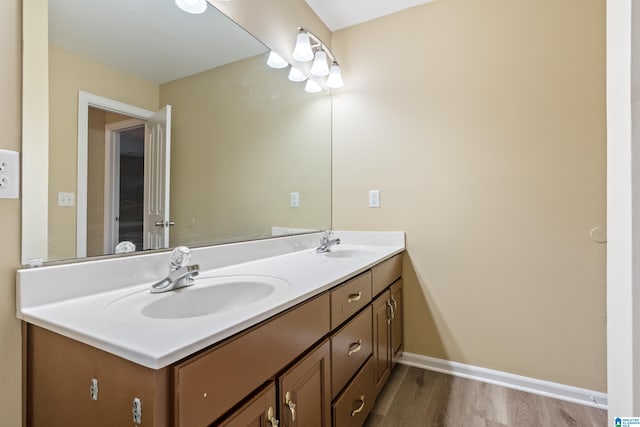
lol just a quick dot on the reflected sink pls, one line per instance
(208, 296)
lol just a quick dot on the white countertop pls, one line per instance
(109, 316)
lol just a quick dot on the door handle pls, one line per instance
(164, 223)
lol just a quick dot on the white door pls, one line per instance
(156, 182)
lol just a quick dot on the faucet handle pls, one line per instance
(327, 235)
(180, 257)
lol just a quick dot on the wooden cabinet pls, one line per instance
(318, 364)
(305, 395)
(354, 404)
(396, 320)
(381, 340)
(387, 332)
(249, 360)
(258, 412)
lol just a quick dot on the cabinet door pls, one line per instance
(396, 322)
(258, 412)
(381, 339)
(305, 392)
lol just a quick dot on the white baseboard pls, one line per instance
(531, 385)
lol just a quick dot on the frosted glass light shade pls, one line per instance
(276, 61)
(320, 67)
(334, 81)
(192, 6)
(312, 87)
(296, 75)
(302, 52)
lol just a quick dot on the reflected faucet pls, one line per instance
(327, 242)
(181, 273)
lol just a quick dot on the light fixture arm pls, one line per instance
(317, 43)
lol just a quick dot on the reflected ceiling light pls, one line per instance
(192, 6)
(320, 67)
(334, 81)
(302, 52)
(276, 61)
(295, 75)
(312, 87)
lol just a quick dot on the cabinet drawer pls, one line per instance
(354, 404)
(349, 298)
(208, 385)
(386, 273)
(350, 347)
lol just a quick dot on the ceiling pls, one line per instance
(172, 45)
(338, 14)
(175, 44)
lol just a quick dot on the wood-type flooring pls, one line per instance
(415, 397)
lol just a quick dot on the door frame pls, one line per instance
(86, 100)
(112, 178)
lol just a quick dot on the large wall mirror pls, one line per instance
(162, 128)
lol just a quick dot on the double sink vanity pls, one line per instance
(271, 332)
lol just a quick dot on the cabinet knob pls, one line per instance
(359, 408)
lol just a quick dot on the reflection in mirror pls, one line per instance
(242, 137)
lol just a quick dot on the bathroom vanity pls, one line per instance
(317, 355)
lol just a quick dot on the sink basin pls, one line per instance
(346, 253)
(208, 296)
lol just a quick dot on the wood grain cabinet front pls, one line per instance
(260, 411)
(285, 371)
(305, 393)
(354, 404)
(350, 347)
(208, 385)
(349, 298)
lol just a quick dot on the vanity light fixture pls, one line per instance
(192, 6)
(312, 87)
(319, 67)
(295, 75)
(308, 47)
(303, 52)
(276, 61)
(334, 81)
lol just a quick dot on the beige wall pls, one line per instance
(10, 336)
(243, 154)
(483, 125)
(68, 74)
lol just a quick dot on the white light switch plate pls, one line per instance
(374, 198)
(9, 174)
(294, 200)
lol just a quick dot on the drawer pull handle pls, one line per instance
(355, 347)
(354, 297)
(291, 405)
(359, 408)
(271, 417)
(395, 305)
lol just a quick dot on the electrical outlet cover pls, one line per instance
(9, 174)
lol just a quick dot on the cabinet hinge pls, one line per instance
(137, 410)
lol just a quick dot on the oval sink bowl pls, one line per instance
(208, 296)
(346, 253)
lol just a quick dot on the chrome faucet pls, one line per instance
(327, 242)
(181, 273)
